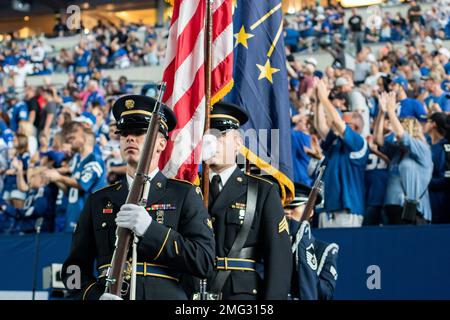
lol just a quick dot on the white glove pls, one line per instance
(133, 217)
(209, 147)
(109, 296)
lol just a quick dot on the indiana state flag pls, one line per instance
(261, 87)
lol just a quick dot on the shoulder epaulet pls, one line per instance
(258, 177)
(116, 185)
(183, 181)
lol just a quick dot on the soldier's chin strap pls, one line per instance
(236, 250)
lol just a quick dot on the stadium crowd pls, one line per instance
(319, 27)
(375, 167)
(106, 46)
(381, 128)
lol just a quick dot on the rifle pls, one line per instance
(315, 190)
(115, 275)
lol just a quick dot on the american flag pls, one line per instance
(184, 73)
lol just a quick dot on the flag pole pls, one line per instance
(208, 107)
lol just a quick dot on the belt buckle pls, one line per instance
(226, 263)
(128, 270)
(213, 296)
(145, 268)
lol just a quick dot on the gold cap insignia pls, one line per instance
(129, 104)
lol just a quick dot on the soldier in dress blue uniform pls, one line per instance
(174, 229)
(248, 219)
(315, 261)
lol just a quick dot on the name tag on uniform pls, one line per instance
(240, 206)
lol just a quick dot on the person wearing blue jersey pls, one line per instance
(17, 112)
(82, 59)
(101, 127)
(346, 154)
(11, 193)
(439, 188)
(89, 174)
(115, 165)
(61, 198)
(301, 142)
(376, 178)
(94, 96)
(410, 167)
(40, 201)
(437, 95)
(409, 107)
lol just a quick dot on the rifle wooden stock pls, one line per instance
(315, 190)
(124, 236)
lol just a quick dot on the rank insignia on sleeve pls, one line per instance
(283, 225)
(108, 208)
(311, 257)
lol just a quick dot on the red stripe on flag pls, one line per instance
(219, 76)
(175, 12)
(182, 45)
(222, 18)
(185, 44)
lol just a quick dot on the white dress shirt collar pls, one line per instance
(152, 175)
(224, 175)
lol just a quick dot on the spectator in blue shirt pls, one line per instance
(301, 142)
(20, 153)
(40, 201)
(17, 112)
(439, 188)
(376, 180)
(444, 58)
(346, 156)
(88, 176)
(408, 107)
(437, 95)
(94, 96)
(410, 167)
(83, 57)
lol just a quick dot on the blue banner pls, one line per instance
(398, 262)
(261, 87)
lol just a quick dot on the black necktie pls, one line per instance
(214, 187)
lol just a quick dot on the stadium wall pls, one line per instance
(409, 262)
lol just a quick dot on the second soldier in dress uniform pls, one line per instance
(174, 228)
(248, 219)
(315, 261)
